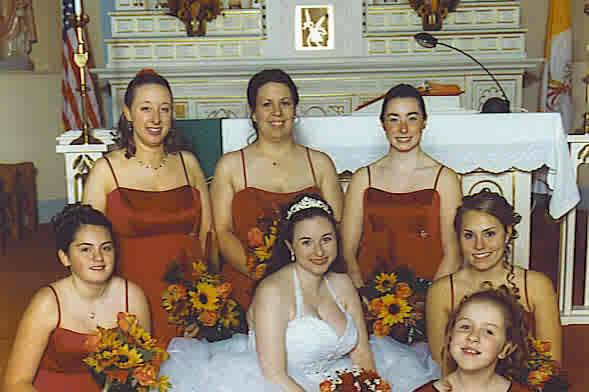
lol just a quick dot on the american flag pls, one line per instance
(70, 85)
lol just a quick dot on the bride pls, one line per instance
(305, 322)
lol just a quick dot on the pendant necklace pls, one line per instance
(148, 165)
(92, 313)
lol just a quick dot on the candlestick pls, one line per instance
(81, 59)
(78, 9)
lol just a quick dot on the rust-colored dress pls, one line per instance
(62, 362)
(154, 229)
(400, 229)
(249, 206)
(513, 387)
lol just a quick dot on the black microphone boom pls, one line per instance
(429, 41)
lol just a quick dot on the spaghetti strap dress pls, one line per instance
(400, 229)
(153, 229)
(62, 362)
(513, 387)
(250, 208)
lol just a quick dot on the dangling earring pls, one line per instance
(292, 257)
(130, 126)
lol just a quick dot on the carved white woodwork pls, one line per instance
(574, 313)
(79, 159)
(373, 49)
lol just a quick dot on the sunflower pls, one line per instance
(263, 253)
(205, 297)
(230, 315)
(198, 269)
(128, 357)
(394, 311)
(385, 282)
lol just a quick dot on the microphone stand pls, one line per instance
(496, 105)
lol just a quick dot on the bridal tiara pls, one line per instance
(307, 202)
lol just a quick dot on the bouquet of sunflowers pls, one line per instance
(394, 305)
(200, 299)
(260, 243)
(125, 358)
(542, 372)
(354, 380)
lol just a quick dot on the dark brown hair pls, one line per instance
(266, 76)
(516, 330)
(281, 253)
(402, 90)
(495, 205)
(68, 222)
(173, 141)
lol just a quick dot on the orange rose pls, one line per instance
(224, 290)
(250, 263)
(255, 237)
(376, 305)
(208, 318)
(380, 329)
(542, 346)
(538, 377)
(145, 375)
(325, 386)
(117, 375)
(260, 271)
(92, 342)
(402, 290)
(124, 321)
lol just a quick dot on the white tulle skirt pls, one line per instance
(232, 365)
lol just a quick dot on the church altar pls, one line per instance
(495, 151)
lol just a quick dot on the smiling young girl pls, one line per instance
(50, 342)
(485, 345)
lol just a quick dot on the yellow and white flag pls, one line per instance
(558, 54)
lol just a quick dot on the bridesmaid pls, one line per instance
(485, 224)
(154, 193)
(399, 209)
(251, 184)
(50, 342)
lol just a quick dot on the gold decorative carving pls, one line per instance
(195, 14)
(314, 27)
(433, 12)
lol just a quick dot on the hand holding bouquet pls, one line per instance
(198, 299)
(260, 243)
(125, 358)
(394, 305)
(354, 380)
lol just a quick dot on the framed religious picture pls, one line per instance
(314, 27)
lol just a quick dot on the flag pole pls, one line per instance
(80, 20)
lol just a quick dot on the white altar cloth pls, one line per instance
(462, 141)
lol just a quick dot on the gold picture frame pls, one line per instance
(314, 27)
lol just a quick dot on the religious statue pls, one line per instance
(195, 14)
(433, 12)
(17, 33)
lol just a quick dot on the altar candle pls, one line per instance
(78, 7)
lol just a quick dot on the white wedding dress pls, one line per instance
(314, 351)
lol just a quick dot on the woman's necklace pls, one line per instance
(91, 313)
(148, 165)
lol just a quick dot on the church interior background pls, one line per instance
(350, 51)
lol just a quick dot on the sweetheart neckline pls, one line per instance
(349, 322)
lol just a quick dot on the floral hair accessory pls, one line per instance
(146, 71)
(305, 203)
